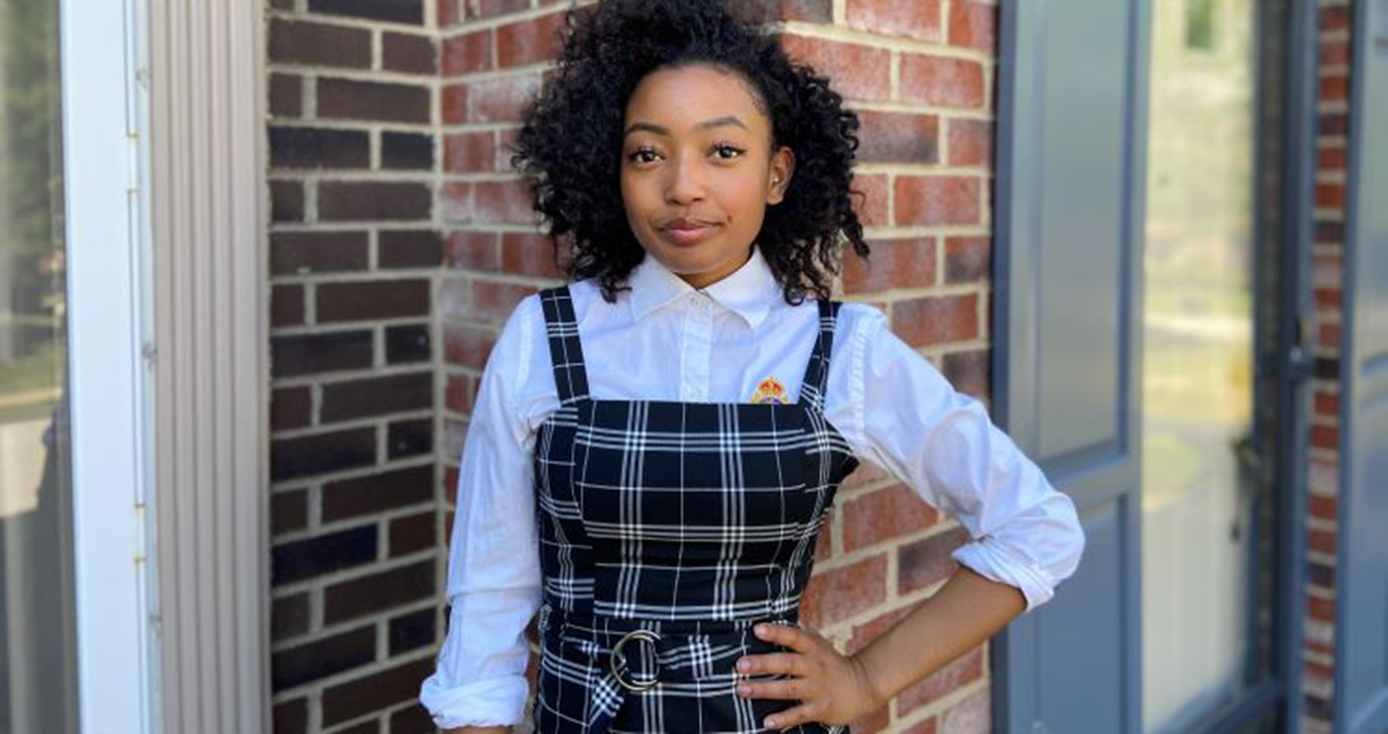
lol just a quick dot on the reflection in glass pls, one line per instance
(37, 674)
(1197, 361)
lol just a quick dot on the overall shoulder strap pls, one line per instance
(565, 349)
(816, 381)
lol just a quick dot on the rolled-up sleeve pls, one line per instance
(493, 584)
(944, 446)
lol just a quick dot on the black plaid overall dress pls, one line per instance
(666, 530)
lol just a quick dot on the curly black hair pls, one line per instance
(569, 147)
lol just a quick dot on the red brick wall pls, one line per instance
(921, 76)
(354, 270)
(1327, 255)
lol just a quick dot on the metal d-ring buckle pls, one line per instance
(642, 634)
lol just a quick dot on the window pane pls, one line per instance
(1197, 362)
(37, 675)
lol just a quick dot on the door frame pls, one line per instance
(108, 303)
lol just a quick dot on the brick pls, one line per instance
(288, 511)
(453, 104)
(289, 616)
(973, 25)
(290, 408)
(286, 305)
(372, 299)
(923, 563)
(1335, 18)
(321, 658)
(395, 11)
(865, 633)
(293, 356)
(467, 53)
(529, 41)
(942, 81)
(923, 322)
(449, 12)
(935, 200)
(376, 101)
(503, 202)
(1334, 53)
(469, 152)
(373, 396)
(319, 44)
(492, 8)
(1327, 404)
(409, 438)
(409, 248)
(370, 726)
(314, 148)
(378, 592)
(322, 555)
(872, 205)
(473, 251)
(302, 253)
(919, 19)
(969, 372)
(1334, 88)
(412, 534)
(1325, 437)
(375, 691)
(459, 394)
(968, 259)
(814, 11)
(379, 492)
(413, 719)
(959, 672)
(494, 301)
(857, 71)
(833, 596)
(898, 137)
(291, 458)
(969, 716)
(501, 99)
(408, 53)
(531, 254)
(286, 201)
(1331, 159)
(970, 143)
(286, 95)
(413, 630)
(291, 717)
(467, 345)
(1330, 196)
(455, 201)
(884, 514)
(908, 263)
(354, 201)
(407, 151)
(406, 344)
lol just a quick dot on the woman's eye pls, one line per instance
(643, 155)
(727, 152)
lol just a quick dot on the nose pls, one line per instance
(684, 184)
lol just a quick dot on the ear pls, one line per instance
(778, 176)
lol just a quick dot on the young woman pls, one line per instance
(654, 446)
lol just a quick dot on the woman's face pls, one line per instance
(698, 171)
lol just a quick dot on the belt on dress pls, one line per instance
(669, 651)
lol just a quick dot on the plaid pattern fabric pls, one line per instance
(691, 520)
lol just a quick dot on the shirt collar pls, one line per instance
(749, 291)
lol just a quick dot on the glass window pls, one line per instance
(37, 669)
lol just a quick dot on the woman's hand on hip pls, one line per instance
(832, 688)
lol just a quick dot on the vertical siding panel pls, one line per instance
(207, 210)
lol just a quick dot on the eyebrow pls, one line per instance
(715, 122)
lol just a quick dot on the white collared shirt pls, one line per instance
(665, 340)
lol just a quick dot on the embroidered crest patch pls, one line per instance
(770, 390)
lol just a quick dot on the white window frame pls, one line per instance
(104, 103)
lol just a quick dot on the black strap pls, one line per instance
(816, 382)
(565, 349)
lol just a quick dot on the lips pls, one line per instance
(687, 231)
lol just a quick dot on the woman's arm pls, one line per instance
(964, 612)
